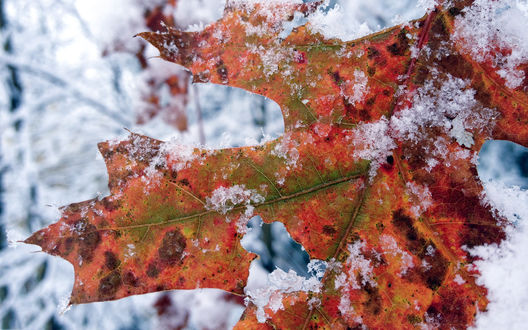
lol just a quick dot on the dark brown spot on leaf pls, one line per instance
(88, 238)
(185, 182)
(110, 205)
(111, 261)
(372, 52)
(414, 319)
(152, 270)
(422, 72)
(373, 304)
(172, 247)
(452, 309)
(336, 77)
(329, 230)
(221, 69)
(454, 11)
(109, 285)
(486, 233)
(482, 95)
(130, 279)
(439, 27)
(68, 245)
(400, 47)
(456, 66)
(364, 114)
(434, 274)
(404, 224)
(437, 265)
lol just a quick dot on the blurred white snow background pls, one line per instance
(59, 97)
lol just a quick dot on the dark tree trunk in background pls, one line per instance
(13, 82)
(14, 102)
(14, 90)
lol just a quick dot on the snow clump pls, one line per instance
(225, 199)
(333, 23)
(508, 307)
(390, 247)
(357, 263)
(280, 284)
(358, 87)
(489, 24)
(348, 280)
(423, 197)
(454, 107)
(373, 142)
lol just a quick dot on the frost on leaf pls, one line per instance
(495, 33)
(280, 284)
(375, 174)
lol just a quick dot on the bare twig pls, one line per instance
(199, 113)
(61, 82)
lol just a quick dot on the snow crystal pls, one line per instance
(244, 219)
(314, 302)
(347, 310)
(270, 56)
(425, 265)
(225, 199)
(280, 283)
(423, 197)
(431, 321)
(357, 263)
(459, 280)
(130, 251)
(171, 48)
(276, 20)
(459, 133)
(340, 281)
(430, 250)
(358, 87)
(287, 150)
(488, 24)
(64, 304)
(433, 107)
(373, 142)
(390, 246)
(333, 23)
(181, 155)
(427, 5)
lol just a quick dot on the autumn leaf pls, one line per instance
(165, 92)
(375, 174)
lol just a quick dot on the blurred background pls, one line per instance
(72, 75)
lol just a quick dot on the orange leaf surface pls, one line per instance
(375, 174)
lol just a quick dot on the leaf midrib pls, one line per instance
(284, 198)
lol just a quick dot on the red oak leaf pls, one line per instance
(375, 174)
